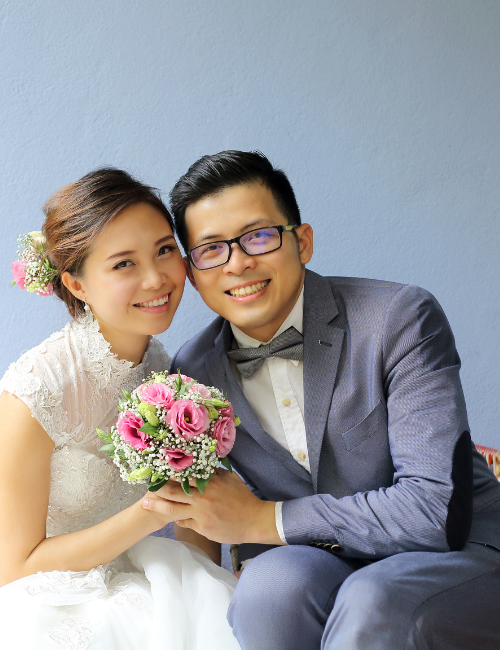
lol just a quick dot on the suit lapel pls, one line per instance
(221, 375)
(322, 349)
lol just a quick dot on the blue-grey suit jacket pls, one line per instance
(392, 464)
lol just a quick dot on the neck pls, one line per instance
(127, 346)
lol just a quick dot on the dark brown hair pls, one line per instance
(77, 214)
(212, 174)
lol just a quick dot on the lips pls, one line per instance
(248, 290)
(157, 302)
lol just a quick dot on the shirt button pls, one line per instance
(301, 455)
(287, 401)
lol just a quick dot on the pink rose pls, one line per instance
(227, 412)
(47, 292)
(158, 395)
(139, 390)
(128, 428)
(184, 378)
(19, 272)
(187, 419)
(178, 459)
(202, 390)
(225, 434)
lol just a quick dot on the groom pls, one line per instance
(384, 523)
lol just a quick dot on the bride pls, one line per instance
(77, 566)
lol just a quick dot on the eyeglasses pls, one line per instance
(254, 242)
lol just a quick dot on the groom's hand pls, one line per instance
(226, 512)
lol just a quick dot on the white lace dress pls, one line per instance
(158, 595)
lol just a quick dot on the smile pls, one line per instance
(248, 290)
(153, 303)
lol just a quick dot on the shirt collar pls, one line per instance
(294, 319)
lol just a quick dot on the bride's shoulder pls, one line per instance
(36, 361)
(40, 377)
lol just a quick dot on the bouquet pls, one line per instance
(171, 426)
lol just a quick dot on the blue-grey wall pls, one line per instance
(384, 114)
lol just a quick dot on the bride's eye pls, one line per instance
(165, 249)
(123, 264)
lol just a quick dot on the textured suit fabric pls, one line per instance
(392, 469)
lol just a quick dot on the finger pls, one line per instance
(174, 492)
(185, 523)
(167, 508)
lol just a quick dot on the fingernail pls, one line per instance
(145, 503)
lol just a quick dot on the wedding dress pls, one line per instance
(158, 595)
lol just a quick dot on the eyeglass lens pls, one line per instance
(254, 242)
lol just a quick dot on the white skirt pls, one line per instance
(158, 595)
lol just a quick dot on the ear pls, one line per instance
(305, 240)
(73, 285)
(189, 272)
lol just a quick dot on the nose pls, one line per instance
(239, 261)
(153, 278)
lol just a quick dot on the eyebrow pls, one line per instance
(122, 253)
(249, 226)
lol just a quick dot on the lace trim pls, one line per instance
(121, 595)
(74, 633)
(54, 582)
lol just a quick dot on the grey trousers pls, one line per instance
(303, 598)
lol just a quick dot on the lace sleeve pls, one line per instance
(157, 359)
(33, 381)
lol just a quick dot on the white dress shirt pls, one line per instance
(276, 394)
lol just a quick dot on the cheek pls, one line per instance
(112, 293)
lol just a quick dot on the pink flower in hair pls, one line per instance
(47, 291)
(19, 272)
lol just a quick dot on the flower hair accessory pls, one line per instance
(33, 271)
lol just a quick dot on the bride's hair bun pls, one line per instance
(77, 214)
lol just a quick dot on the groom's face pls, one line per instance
(274, 279)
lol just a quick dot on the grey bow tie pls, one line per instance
(288, 345)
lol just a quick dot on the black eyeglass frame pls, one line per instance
(236, 240)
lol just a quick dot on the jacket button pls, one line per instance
(335, 548)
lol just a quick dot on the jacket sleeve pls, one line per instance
(429, 505)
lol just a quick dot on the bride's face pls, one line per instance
(134, 277)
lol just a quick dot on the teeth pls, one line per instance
(153, 303)
(248, 290)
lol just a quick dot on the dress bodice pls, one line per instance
(71, 383)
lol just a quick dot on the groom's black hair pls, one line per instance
(212, 174)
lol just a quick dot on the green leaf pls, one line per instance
(185, 486)
(149, 429)
(201, 484)
(178, 381)
(148, 450)
(237, 421)
(109, 447)
(154, 487)
(105, 437)
(225, 463)
(126, 394)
